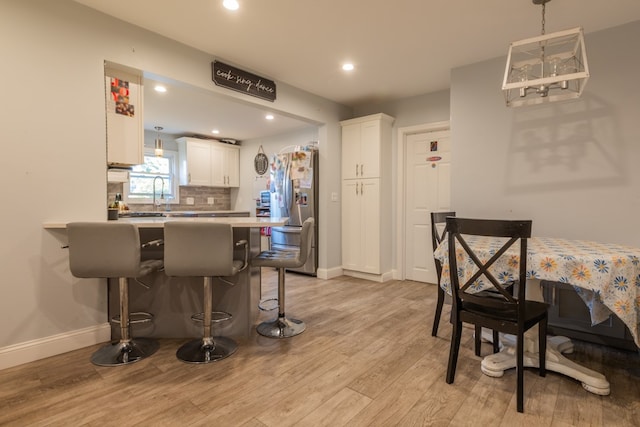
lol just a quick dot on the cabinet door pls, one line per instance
(370, 149)
(351, 224)
(370, 225)
(361, 225)
(125, 130)
(198, 163)
(351, 151)
(218, 170)
(233, 167)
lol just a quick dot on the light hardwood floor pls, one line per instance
(367, 358)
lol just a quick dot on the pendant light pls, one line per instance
(158, 145)
(547, 68)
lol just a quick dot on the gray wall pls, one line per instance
(572, 167)
(53, 129)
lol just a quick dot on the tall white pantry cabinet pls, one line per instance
(366, 197)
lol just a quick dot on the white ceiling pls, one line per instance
(400, 48)
(184, 110)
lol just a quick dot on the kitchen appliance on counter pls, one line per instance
(294, 194)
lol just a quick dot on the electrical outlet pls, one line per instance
(210, 200)
(190, 201)
(334, 197)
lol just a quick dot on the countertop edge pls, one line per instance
(238, 222)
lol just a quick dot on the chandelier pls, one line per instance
(547, 68)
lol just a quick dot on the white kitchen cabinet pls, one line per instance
(361, 225)
(124, 115)
(195, 162)
(361, 145)
(366, 197)
(209, 163)
(225, 165)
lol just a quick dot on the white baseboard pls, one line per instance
(381, 278)
(30, 351)
(329, 273)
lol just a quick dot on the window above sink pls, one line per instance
(140, 188)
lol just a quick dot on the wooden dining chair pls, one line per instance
(438, 232)
(502, 309)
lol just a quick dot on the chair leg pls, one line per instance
(520, 371)
(478, 339)
(126, 350)
(439, 305)
(542, 347)
(281, 327)
(456, 335)
(496, 341)
(207, 349)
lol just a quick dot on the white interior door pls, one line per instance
(427, 189)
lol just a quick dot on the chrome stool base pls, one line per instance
(197, 351)
(124, 352)
(281, 328)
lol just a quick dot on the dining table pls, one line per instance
(605, 275)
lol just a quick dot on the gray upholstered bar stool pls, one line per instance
(282, 327)
(204, 249)
(112, 250)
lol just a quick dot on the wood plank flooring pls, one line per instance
(366, 359)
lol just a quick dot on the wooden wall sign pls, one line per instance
(242, 81)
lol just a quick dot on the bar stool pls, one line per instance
(281, 259)
(204, 249)
(112, 250)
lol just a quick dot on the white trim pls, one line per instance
(403, 133)
(53, 345)
(329, 273)
(380, 278)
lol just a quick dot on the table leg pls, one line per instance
(494, 365)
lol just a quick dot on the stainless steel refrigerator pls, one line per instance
(294, 194)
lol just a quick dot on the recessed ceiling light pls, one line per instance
(269, 117)
(231, 4)
(160, 88)
(215, 131)
(348, 66)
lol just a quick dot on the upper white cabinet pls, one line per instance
(211, 163)
(124, 115)
(361, 149)
(225, 165)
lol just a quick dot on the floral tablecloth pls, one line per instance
(606, 276)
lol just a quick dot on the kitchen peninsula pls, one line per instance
(172, 300)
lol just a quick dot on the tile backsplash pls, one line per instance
(200, 194)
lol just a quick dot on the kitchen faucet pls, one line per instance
(155, 206)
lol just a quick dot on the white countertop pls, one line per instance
(158, 222)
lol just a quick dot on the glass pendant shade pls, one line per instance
(547, 68)
(159, 151)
